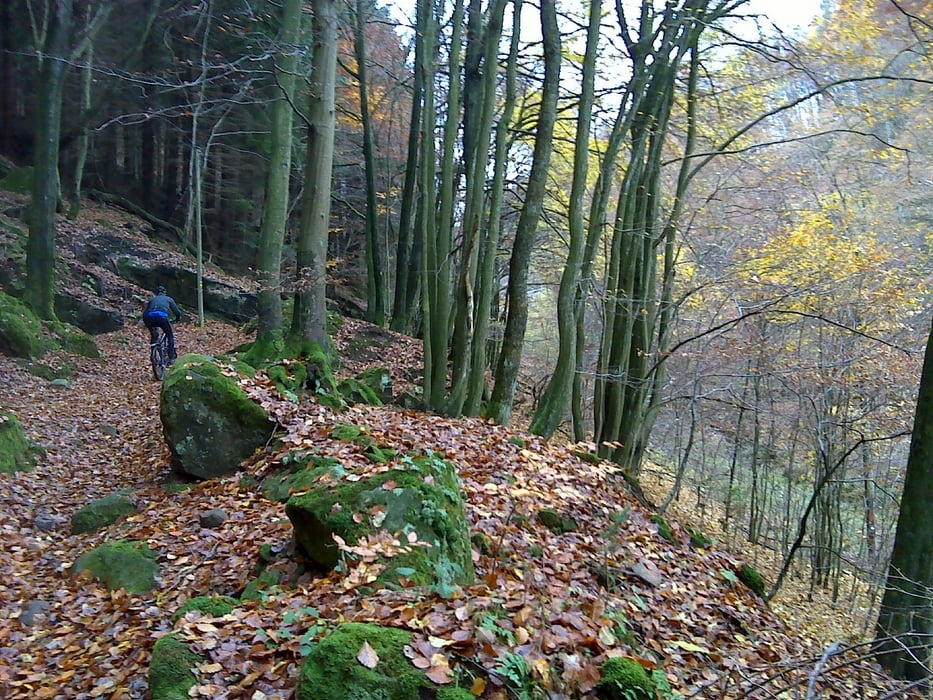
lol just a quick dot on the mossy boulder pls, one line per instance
(332, 671)
(557, 522)
(212, 605)
(171, 669)
(418, 502)
(299, 473)
(16, 452)
(625, 679)
(21, 333)
(102, 512)
(18, 180)
(122, 564)
(379, 379)
(74, 340)
(209, 422)
(753, 579)
(355, 391)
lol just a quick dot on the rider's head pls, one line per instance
(160, 289)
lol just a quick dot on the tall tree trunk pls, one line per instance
(275, 209)
(311, 297)
(40, 248)
(486, 275)
(904, 631)
(639, 309)
(406, 266)
(375, 261)
(553, 404)
(438, 245)
(479, 109)
(503, 395)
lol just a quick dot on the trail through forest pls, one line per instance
(563, 602)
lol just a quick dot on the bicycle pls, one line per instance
(158, 355)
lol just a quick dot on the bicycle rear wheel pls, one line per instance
(157, 357)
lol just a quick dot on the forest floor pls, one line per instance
(564, 603)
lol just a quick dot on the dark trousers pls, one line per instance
(153, 322)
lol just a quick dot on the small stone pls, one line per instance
(61, 383)
(35, 609)
(47, 522)
(212, 518)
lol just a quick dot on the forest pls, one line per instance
(685, 239)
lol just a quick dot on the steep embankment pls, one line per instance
(611, 586)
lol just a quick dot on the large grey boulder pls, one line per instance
(208, 421)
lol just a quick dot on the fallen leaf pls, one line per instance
(367, 656)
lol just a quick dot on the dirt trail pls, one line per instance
(100, 434)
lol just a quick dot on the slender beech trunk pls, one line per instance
(503, 395)
(406, 266)
(485, 286)
(275, 209)
(311, 253)
(479, 107)
(375, 261)
(40, 247)
(438, 247)
(554, 402)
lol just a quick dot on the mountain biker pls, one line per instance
(156, 316)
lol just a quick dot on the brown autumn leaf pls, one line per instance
(367, 656)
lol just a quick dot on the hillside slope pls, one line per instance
(616, 585)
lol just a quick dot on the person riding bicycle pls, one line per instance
(156, 316)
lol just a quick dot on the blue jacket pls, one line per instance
(161, 305)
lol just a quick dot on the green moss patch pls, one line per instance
(556, 522)
(171, 669)
(332, 671)
(122, 564)
(16, 452)
(102, 512)
(625, 679)
(418, 502)
(663, 528)
(751, 578)
(21, 333)
(213, 606)
(355, 391)
(19, 180)
(300, 476)
(379, 379)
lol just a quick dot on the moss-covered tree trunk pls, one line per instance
(310, 321)
(40, 249)
(275, 211)
(904, 632)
